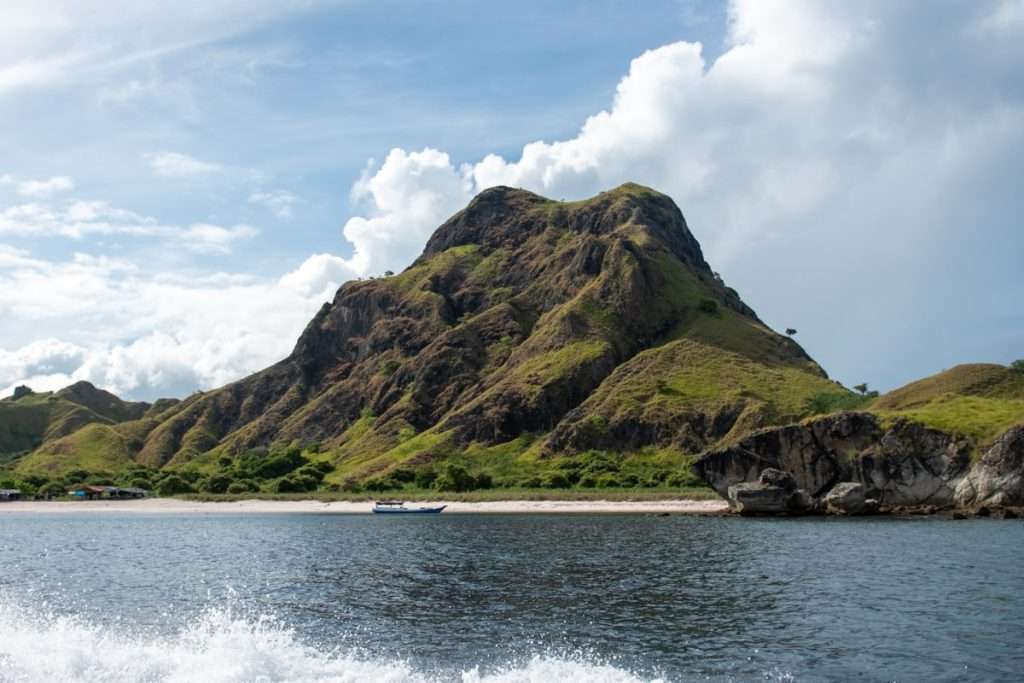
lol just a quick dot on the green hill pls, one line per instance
(977, 400)
(533, 342)
(528, 331)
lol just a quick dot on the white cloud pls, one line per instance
(176, 165)
(45, 365)
(139, 333)
(41, 189)
(319, 276)
(95, 217)
(280, 202)
(404, 200)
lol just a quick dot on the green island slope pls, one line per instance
(534, 345)
(978, 400)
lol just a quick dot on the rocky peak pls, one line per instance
(505, 217)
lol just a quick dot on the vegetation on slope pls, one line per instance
(535, 345)
(977, 400)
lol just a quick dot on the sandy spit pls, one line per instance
(175, 506)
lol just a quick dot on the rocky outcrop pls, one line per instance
(997, 479)
(846, 461)
(849, 498)
(774, 493)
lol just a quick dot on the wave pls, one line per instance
(221, 646)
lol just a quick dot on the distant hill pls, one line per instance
(32, 420)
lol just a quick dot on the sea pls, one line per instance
(473, 598)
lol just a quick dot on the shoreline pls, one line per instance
(256, 506)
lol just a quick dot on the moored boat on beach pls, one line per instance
(391, 507)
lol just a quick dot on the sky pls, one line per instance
(182, 185)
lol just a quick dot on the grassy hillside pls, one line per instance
(977, 400)
(93, 448)
(534, 344)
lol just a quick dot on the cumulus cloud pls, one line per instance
(44, 365)
(177, 165)
(403, 201)
(827, 142)
(280, 202)
(139, 333)
(319, 276)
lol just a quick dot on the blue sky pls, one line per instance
(182, 186)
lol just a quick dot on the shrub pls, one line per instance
(588, 481)
(225, 461)
(280, 465)
(309, 471)
(377, 484)
(140, 483)
(425, 478)
(1017, 365)
(51, 489)
(629, 480)
(76, 476)
(454, 478)
(173, 485)
(243, 486)
(555, 480)
(305, 482)
(484, 481)
(607, 481)
(35, 480)
(323, 466)
(530, 483)
(217, 483)
(708, 307)
(682, 478)
(830, 402)
(403, 475)
(351, 486)
(287, 485)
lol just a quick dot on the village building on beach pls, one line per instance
(91, 492)
(10, 494)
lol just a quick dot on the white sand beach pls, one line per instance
(177, 506)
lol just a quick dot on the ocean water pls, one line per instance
(508, 598)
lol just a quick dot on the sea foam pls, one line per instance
(219, 647)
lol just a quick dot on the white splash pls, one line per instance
(221, 647)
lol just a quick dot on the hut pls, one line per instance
(10, 494)
(91, 492)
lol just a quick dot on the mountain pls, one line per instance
(527, 329)
(28, 419)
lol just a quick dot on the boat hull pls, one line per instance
(379, 510)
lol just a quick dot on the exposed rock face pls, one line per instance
(849, 459)
(848, 498)
(774, 493)
(998, 478)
